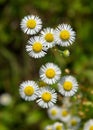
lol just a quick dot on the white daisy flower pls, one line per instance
(31, 24)
(48, 35)
(50, 73)
(49, 127)
(74, 122)
(36, 47)
(68, 86)
(53, 112)
(88, 125)
(58, 126)
(64, 115)
(47, 97)
(5, 99)
(28, 90)
(64, 35)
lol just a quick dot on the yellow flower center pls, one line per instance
(91, 127)
(31, 23)
(64, 35)
(46, 96)
(50, 73)
(49, 37)
(67, 85)
(29, 90)
(64, 113)
(53, 112)
(37, 47)
(73, 122)
(59, 127)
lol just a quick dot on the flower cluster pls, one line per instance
(46, 95)
(59, 113)
(49, 73)
(63, 115)
(72, 124)
(37, 46)
(55, 126)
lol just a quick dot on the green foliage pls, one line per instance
(16, 65)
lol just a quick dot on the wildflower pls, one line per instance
(28, 90)
(49, 127)
(48, 35)
(31, 24)
(88, 125)
(36, 48)
(5, 99)
(64, 35)
(58, 126)
(47, 97)
(74, 122)
(53, 112)
(64, 115)
(50, 73)
(68, 86)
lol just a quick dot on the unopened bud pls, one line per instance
(66, 53)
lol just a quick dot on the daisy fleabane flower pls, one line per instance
(64, 35)
(64, 115)
(36, 47)
(50, 73)
(53, 112)
(48, 35)
(58, 126)
(68, 85)
(31, 24)
(49, 127)
(47, 97)
(74, 122)
(5, 99)
(28, 90)
(88, 125)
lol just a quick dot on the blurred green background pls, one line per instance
(16, 66)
